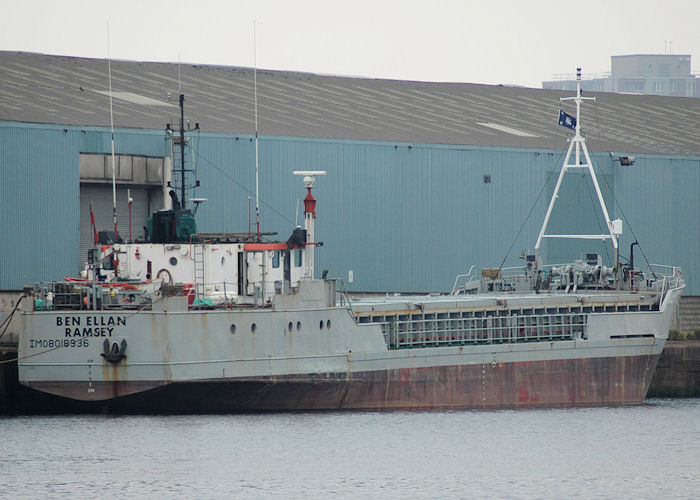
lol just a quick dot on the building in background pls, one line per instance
(648, 74)
(424, 179)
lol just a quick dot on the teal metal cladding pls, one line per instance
(401, 217)
(39, 195)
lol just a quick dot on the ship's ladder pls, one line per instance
(177, 159)
(182, 173)
(198, 257)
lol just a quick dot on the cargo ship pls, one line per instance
(186, 322)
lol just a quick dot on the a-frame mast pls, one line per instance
(577, 145)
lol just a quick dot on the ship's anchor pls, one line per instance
(114, 353)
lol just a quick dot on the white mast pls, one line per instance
(255, 98)
(578, 145)
(111, 122)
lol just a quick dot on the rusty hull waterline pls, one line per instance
(570, 382)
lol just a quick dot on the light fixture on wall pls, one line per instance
(626, 161)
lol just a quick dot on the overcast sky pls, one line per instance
(520, 42)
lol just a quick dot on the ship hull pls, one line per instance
(548, 383)
(180, 361)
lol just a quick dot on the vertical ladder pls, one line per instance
(176, 155)
(198, 255)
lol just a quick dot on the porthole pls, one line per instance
(290, 326)
(298, 325)
(253, 327)
(320, 325)
(232, 328)
(173, 261)
(328, 324)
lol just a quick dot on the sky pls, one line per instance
(510, 42)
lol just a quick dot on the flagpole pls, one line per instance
(95, 239)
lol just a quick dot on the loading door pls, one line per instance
(101, 197)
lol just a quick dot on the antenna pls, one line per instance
(250, 237)
(255, 98)
(182, 150)
(111, 123)
(130, 200)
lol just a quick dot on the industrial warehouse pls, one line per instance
(423, 180)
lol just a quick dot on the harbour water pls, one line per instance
(645, 451)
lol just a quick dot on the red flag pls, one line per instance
(94, 226)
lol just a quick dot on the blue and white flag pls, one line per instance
(566, 120)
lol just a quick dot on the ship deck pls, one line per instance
(620, 300)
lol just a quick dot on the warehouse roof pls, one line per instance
(38, 88)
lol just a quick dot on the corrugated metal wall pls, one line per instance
(39, 204)
(411, 218)
(660, 195)
(39, 195)
(401, 217)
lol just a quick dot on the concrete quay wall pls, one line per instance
(678, 370)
